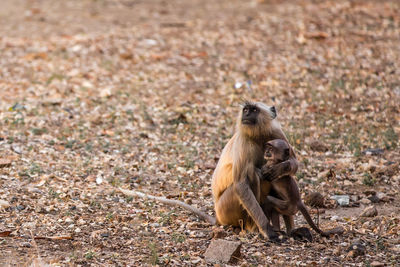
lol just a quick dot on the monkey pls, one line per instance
(239, 192)
(288, 200)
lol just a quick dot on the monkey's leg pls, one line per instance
(277, 203)
(271, 214)
(228, 209)
(289, 223)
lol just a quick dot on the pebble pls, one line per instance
(370, 211)
(4, 204)
(356, 249)
(334, 218)
(5, 162)
(222, 251)
(377, 264)
(342, 200)
(365, 201)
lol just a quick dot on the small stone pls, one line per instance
(78, 230)
(365, 201)
(334, 218)
(257, 254)
(377, 264)
(222, 251)
(370, 211)
(99, 179)
(314, 199)
(356, 249)
(238, 85)
(374, 198)
(20, 207)
(106, 92)
(17, 149)
(319, 146)
(218, 233)
(104, 235)
(4, 162)
(373, 151)
(40, 209)
(354, 198)
(69, 220)
(347, 183)
(342, 200)
(149, 42)
(4, 204)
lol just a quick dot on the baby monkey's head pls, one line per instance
(279, 150)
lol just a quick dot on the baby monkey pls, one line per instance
(285, 196)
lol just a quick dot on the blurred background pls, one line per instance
(144, 94)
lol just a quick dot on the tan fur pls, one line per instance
(238, 189)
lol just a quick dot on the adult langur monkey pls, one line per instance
(238, 188)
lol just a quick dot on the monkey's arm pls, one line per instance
(253, 208)
(244, 175)
(271, 173)
(173, 202)
(288, 167)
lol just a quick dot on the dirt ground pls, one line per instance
(100, 94)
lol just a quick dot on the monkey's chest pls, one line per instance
(265, 189)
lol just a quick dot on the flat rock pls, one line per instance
(319, 146)
(373, 151)
(356, 249)
(4, 162)
(218, 233)
(365, 201)
(4, 204)
(377, 264)
(314, 199)
(222, 251)
(370, 211)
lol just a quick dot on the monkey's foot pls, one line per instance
(278, 237)
(302, 234)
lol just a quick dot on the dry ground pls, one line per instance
(144, 94)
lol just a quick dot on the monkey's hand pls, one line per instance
(271, 173)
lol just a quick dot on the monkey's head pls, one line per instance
(279, 149)
(255, 119)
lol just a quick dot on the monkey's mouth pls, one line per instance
(248, 122)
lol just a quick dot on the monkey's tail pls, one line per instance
(173, 202)
(309, 220)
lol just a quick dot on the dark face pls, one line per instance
(250, 114)
(279, 150)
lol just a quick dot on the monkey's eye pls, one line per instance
(254, 110)
(245, 110)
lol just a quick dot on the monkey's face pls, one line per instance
(249, 114)
(255, 119)
(279, 149)
(257, 113)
